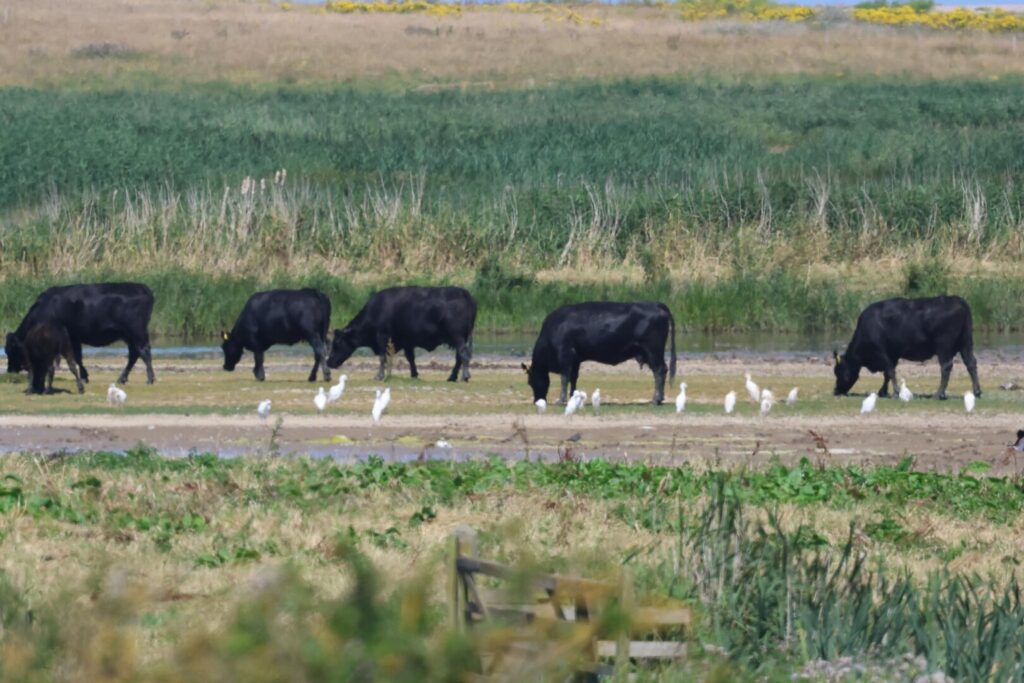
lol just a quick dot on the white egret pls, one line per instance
(906, 395)
(263, 409)
(542, 406)
(681, 398)
(752, 389)
(595, 401)
(869, 403)
(337, 390)
(730, 402)
(116, 396)
(441, 443)
(791, 399)
(382, 401)
(767, 401)
(320, 400)
(574, 403)
(969, 402)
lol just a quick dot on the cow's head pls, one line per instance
(15, 350)
(538, 380)
(232, 349)
(342, 347)
(846, 374)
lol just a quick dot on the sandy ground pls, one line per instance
(492, 416)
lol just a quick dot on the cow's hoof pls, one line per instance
(941, 397)
(978, 393)
(453, 378)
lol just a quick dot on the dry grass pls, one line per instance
(483, 48)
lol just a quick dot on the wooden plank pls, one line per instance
(547, 582)
(643, 649)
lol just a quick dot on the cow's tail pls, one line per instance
(672, 336)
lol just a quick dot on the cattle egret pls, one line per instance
(767, 401)
(542, 406)
(574, 403)
(595, 401)
(583, 398)
(730, 402)
(869, 403)
(1019, 445)
(969, 402)
(906, 395)
(791, 399)
(337, 390)
(263, 409)
(116, 396)
(382, 401)
(441, 443)
(681, 398)
(753, 390)
(320, 400)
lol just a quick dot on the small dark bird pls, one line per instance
(575, 437)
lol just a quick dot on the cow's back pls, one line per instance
(914, 329)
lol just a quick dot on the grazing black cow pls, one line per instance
(606, 332)
(406, 317)
(912, 329)
(280, 316)
(95, 315)
(43, 345)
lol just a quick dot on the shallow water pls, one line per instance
(691, 344)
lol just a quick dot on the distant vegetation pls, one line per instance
(713, 195)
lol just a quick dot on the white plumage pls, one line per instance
(906, 395)
(542, 406)
(869, 403)
(574, 403)
(595, 401)
(441, 443)
(730, 402)
(263, 409)
(380, 403)
(681, 398)
(320, 400)
(116, 396)
(791, 399)
(752, 389)
(337, 390)
(767, 401)
(969, 402)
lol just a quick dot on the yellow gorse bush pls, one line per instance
(960, 18)
(401, 7)
(749, 10)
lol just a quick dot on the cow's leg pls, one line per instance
(454, 375)
(133, 356)
(74, 371)
(319, 359)
(410, 355)
(257, 368)
(946, 365)
(574, 376)
(49, 378)
(967, 356)
(146, 352)
(565, 384)
(889, 375)
(382, 344)
(466, 355)
(76, 348)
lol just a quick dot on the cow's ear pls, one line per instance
(526, 368)
(224, 335)
(836, 357)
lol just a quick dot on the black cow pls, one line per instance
(912, 329)
(95, 315)
(42, 347)
(402, 318)
(606, 332)
(280, 316)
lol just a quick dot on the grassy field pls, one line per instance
(112, 561)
